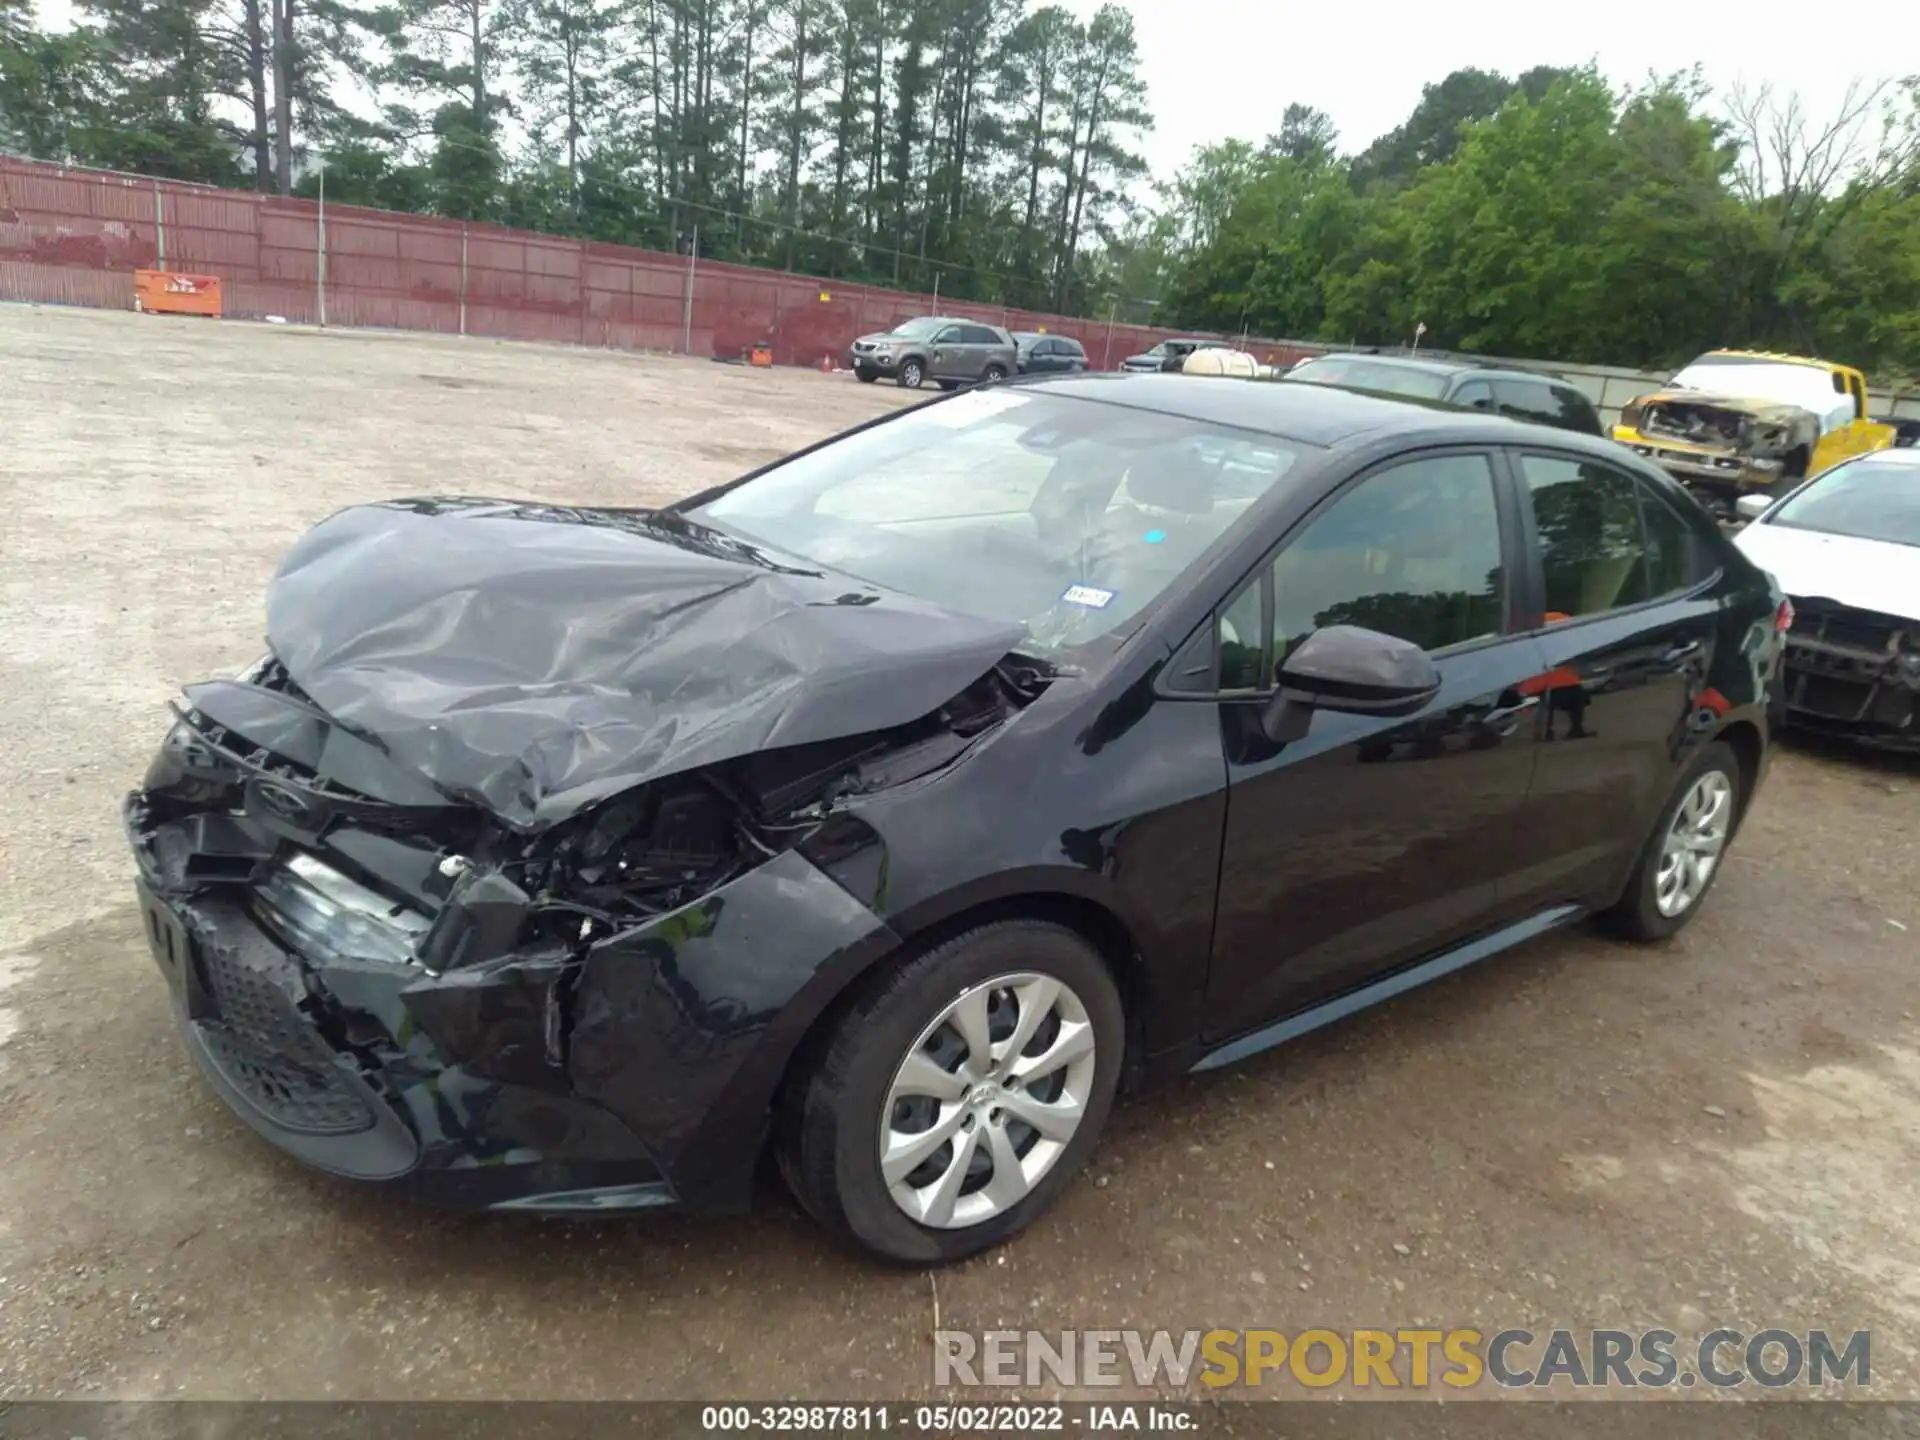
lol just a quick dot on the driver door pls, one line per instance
(1372, 842)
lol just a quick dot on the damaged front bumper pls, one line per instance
(1854, 674)
(1711, 474)
(623, 1074)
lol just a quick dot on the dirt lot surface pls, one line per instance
(1723, 1131)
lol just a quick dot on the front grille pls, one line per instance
(263, 1043)
(312, 1101)
(1831, 697)
(1845, 626)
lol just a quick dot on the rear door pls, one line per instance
(1373, 842)
(987, 348)
(1620, 584)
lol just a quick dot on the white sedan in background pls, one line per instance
(1845, 547)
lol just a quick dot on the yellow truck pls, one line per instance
(1746, 422)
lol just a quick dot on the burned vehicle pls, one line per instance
(882, 812)
(1737, 423)
(1846, 550)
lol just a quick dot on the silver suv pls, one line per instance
(946, 351)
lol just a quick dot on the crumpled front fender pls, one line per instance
(684, 1026)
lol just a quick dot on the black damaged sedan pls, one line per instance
(890, 809)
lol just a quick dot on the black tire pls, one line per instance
(1636, 915)
(912, 375)
(993, 373)
(866, 377)
(827, 1145)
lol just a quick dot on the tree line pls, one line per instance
(1550, 215)
(991, 149)
(983, 142)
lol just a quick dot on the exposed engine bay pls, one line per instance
(525, 803)
(636, 856)
(342, 959)
(1721, 443)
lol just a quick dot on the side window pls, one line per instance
(1413, 550)
(1587, 517)
(1676, 557)
(952, 335)
(980, 335)
(1474, 394)
(1069, 347)
(1575, 411)
(1526, 400)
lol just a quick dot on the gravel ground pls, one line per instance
(1723, 1131)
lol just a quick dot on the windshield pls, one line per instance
(1804, 386)
(1067, 515)
(1372, 375)
(921, 329)
(1869, 499)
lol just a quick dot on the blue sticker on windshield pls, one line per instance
(1091, 596)
(1154, 537)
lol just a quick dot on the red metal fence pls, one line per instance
(75, 237)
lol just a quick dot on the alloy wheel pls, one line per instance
(1694, 843)
(986, 1100)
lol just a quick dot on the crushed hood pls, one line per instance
(1873, 575)
(1771, 412)
(536, 659)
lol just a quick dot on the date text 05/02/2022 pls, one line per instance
(947, 1419)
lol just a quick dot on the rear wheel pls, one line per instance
(912, 373)
(993, 372)
(1682, 856)
(958, 1097)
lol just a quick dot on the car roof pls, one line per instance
(1310, 414)
(1442, 366)
(1762, 357)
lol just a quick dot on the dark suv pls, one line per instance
(1048, 354)
(937, 348)
(1519, 394)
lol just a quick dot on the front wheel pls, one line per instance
(959, 1096)
(911, 375)
(866, 377)
(1683, 855)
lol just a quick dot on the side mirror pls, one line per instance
(1351, 670)
(1752, 507)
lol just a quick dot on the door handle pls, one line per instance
(1674, 654)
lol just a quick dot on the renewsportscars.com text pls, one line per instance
(1410, 1359)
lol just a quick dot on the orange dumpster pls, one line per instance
(168, 292)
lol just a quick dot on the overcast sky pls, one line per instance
(1219, 68)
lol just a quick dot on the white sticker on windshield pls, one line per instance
(1091, 596)
(975, 405)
